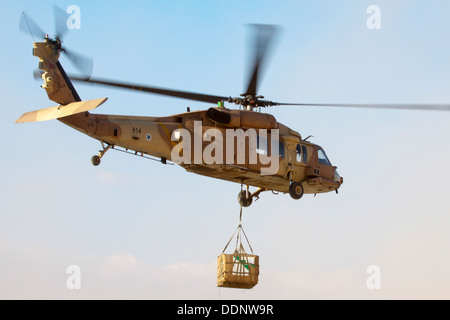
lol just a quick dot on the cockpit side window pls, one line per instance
(323, 159)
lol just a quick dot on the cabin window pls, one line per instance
(299, 153)
(281, 149)
(261, 145)
(302, 154)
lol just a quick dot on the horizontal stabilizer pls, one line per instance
(60, 111)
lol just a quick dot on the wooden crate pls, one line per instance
(237, 270)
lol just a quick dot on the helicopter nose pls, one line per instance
(337, 177)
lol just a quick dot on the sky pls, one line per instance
(140, 230)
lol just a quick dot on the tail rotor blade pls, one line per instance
(27, 25)
(60, 22)
(82, 63)
(37, 74)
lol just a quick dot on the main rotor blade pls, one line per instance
(264, 36)
(166, 92)
(27, 25)
(437, 107)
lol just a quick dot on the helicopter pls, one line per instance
(228, 144)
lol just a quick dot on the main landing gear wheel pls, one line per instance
(296, 190)
(95, 160)
(245, 199)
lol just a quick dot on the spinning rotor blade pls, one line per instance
(82, 63)
(265, 35)
(60, 17)
(262, 40)
(437, 107)
(27, 25)
(37, 74)
(166, 92)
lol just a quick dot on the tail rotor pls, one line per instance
(28, 25)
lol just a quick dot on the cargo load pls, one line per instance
(238, 269)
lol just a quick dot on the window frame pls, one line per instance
(324, 161)
(301, 152)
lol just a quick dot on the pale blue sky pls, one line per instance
(139, 229)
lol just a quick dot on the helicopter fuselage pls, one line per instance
(296, 160)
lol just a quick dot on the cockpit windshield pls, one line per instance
(323, 159)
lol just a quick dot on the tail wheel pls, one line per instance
(296, 190)
(244, 198)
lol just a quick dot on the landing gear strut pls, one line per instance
(96, 159)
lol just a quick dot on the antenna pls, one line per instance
(28, 25)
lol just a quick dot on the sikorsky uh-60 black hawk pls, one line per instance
(302, 167)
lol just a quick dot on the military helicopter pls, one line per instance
(298, 166)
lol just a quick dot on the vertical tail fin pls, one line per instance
(57, 84)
